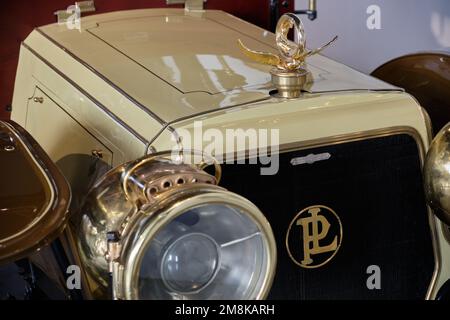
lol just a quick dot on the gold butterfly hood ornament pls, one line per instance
(292, 54)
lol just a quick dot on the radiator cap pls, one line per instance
(289, 74)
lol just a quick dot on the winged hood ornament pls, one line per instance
(290, 66)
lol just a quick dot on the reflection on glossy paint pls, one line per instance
(222, 69)
(211, 64)
(170, 63)
(250, 74)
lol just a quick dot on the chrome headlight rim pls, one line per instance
(128, 273)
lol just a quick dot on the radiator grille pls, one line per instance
(375, 187)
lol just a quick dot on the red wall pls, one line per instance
(19, 17)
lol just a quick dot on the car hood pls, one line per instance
(180, 64)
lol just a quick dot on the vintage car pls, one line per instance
(207, 160)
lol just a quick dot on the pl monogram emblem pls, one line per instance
(314, 236)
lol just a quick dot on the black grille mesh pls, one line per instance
(375, 187)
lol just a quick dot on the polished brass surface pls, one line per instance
(177, 202)
(437, 175)
(292, 54)
(184, 173)
(135, 200)
(290, 73)
(97, 153)
(314, 228)
(289, 84)
(38, 99)
(34, 196)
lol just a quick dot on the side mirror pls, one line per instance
(436, 173)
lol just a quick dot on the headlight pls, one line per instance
(176, 235)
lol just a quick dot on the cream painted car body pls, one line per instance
(115, 87)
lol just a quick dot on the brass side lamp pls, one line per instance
(437, 175)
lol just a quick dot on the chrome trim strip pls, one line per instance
(82, 91)
(101, 76)
(174, 131)
(211, 112)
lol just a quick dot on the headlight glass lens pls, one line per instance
(212, 251)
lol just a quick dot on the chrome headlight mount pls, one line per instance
(160, 229)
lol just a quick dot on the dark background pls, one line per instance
(19, 17)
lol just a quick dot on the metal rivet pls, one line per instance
(153, 191)
(9, 148)
(97, 153)
(38, 99)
